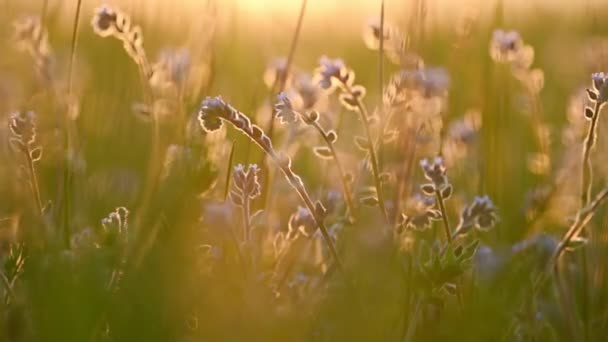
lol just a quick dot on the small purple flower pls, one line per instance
(505, 45)
(284, 109)
(600, 84)
(435, 172)
(480, 214)
(332, 71)
(212, 109)
(104, 21)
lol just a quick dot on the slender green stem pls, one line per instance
(246, 219)
(345, 186)
(372, 151)
(582, 219)
(34, 180)
(411, 329)
(444, 215)
(67, 133)
(587, 174)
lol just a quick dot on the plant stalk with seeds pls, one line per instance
(215, 110)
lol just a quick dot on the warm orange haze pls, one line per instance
(303, 170)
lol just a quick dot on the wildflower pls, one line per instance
(171, 69)
(505, 46)
(435, 172)
(115, 225)
(420, 213)
(276, 71)
(307, 91)
(284, 109)
(246, 183)
(23, 127)
(212, 109)
(480, 214)
(302, 221)
(408, 86)
(104, 21)
(600, 86)
(372, 34)
(334, 72)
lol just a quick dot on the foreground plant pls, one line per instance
(215, 110)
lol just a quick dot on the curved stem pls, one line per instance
(345, 187)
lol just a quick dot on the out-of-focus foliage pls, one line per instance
(421, 175)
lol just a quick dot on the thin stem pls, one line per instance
(280, 83)
(310, 205)
(582, 218)
(8, 287)
(411, 329)
(372, 152)
(67, 133)
(246, 219)
(444, 216)
(381, 53)
(345, 187)
(34, 180)
(587, 174)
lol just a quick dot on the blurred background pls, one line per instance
(521, 146)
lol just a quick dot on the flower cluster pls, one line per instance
(108, 22)
(395, 45)
(599, 92)
(170, 72)
(302, 221)
(30, 37)
(23, 130)
(509, 48)
(284, 109)
(246, 183)
(421, 213)
(115, 227)
(435, 172)
(481, 214)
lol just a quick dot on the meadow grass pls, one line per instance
(424, 172)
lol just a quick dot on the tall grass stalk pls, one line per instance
(68, 136)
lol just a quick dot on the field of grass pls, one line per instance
(421, 172)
